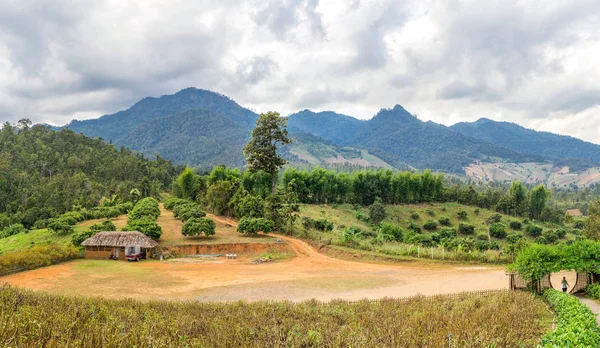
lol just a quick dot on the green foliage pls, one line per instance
(592, 224)
(187, 211)
(261, 151)
(550, 235)
(218, 197)
(445, 221)
(576, 324)
(377, 211)
(106, 225)
(146, 225)
(80, 237)
(536, 261)
(516, 225)
(495, 218)
(593, 291)
(415, 216)
(11, 230)
(63, 171)
(255, 225)
(321, 224)
(466, 228)
(430, 225)
(537, 201)
(281, 208)
(462, 215)
(497, 230)
(197, 226)
(533, 230)
(61, 226)
(244, 204)
(145, 208)
(35, 257)
(513, 238)
(394, 231)
(414, 227)
(173, 202)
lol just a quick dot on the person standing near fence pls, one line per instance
(565, 284)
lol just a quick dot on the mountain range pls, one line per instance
(202, 128)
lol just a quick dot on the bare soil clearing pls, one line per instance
(309, 275)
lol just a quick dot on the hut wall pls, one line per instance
(205, 249)
(102, 252)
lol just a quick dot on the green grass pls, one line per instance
(24, 241)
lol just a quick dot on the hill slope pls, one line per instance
(518, 138)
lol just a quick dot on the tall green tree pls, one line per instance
(261, 151)
(592, 224)
(518, 197)
(537, 201)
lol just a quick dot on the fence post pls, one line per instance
(418, 251)
(432, 253)
(443, 253)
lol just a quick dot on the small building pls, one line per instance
(121, 245)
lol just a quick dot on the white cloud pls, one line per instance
(531, 62)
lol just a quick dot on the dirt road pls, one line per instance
(308, 275)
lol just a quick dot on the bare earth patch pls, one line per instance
(309, 275)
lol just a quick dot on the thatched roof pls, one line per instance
(120, 239)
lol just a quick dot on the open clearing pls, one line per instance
(308, 275)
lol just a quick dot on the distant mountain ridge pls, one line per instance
(516, 137)
(203, 128)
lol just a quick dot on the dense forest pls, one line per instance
(44, 173)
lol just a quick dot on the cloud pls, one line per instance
(532, 62)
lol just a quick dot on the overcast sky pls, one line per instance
(536, 63)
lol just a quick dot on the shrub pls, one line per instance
(541, 240)
(482, 245)
(550, 235)
(11, 230)
(576, 324)
(255, 225)
(497, 230)
(533, 230)
(445, 221)
(466, 228)
(430, 225)
(430, 212)
(76, 216)
(172, 202)
(321, 224)
(514, 237)
(198, 226)
(60, 226)
(395, 231)
(462, 215)
(415, 216)
(424, 240)
(146, 225)
(37, 256)
(447, 233)
(477, 211)
(516, 225)
(561, 232)
(482, 236)
(79, 237)
(103, 226)
(147, 207)
(187, 211)
(495, 218)
(377, 212)
(579, 224)
(414, 227)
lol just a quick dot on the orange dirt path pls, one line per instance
(309, 275)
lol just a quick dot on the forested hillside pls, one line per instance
(44, 173)
(519, 138)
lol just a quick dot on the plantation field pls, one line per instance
(225, 232)
(308, 275)
(506, 319)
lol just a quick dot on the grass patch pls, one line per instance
(23, 241)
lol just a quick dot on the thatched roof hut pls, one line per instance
(120, 239)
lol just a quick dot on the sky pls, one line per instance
(536, 63)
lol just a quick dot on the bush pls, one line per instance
(579, 224)
(11, 230)
(187, 211)
(550, 235)
(147, 207)
(198, 226)
(430, 212)
(377, 212)
(318, 224)
(533, 230)
(60, 226)
(466, 228)
(495, 218)
(514, 237)
(255, 225)
(415, 216)
(541, 240)
(477, 211)
(497, 230)
(430, 225)
(561, 232)
(447, 233)
(445, 221)
(395, 231)
(103, 226)
(576, 324)
(482, 236)
(172, 202)
(414, 227)
(37, 256)
(146, 225)
(516, 225)
(462, 215)
(424, 240)
(78, 238)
